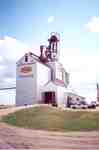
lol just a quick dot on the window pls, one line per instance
(26, 58)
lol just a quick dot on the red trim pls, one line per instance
(59, 81)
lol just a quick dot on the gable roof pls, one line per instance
(55, 82)
(34, 59)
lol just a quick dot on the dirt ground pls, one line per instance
(18, 138)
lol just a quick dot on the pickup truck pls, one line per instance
(79, 105)
(92, 104)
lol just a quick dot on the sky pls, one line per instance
(24, 25)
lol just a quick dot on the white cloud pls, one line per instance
(13, 49)
(83, 71)
(50, 19)
(2, 67)
(1, 59)
(10, 51)
(92, 25)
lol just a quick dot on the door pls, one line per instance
(49, 97)
(69, 101)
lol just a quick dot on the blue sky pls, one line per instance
(27, 20)
(27, 23)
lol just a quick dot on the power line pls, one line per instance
(8, 88)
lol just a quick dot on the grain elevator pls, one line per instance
(42, 79)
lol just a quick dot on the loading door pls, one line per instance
(49, 98)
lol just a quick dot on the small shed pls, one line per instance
(53, 93)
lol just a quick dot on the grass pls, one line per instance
(48, 118)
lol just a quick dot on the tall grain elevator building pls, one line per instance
(41, 79)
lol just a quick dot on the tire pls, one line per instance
(73, 107)
(94, 107)
(83, 108)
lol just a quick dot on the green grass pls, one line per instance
(49, 118)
